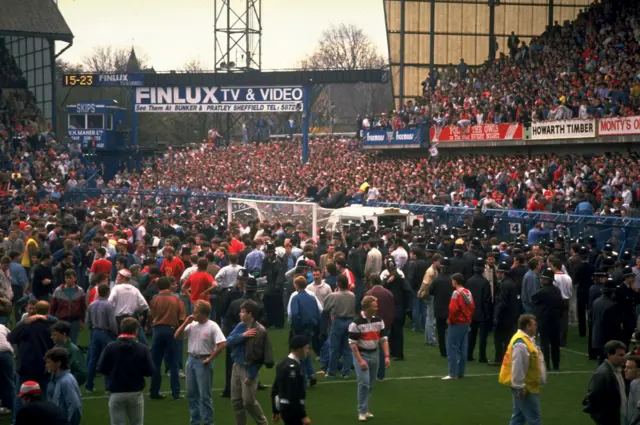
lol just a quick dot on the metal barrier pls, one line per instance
(621, 232)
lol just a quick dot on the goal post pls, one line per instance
(306, 215)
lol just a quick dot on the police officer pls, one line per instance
(628, 299)
(548, 307)
(600, 278)
(273, 268)
(441, 290)
(458, 263)
(583, 277)
(506, 311)
(607, 319)
(480, 289)
(288, 391)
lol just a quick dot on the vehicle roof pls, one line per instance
(360, 211)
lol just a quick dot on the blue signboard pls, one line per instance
(219, 99)
(99, 125)
(388, 139)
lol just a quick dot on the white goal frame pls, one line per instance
(255, 203)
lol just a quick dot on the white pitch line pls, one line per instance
(399, 378)
(568, 350)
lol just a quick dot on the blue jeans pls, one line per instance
(457, 343)
(7, 379)
(74, 330)
(339, 346)
(366, 379)
(199, 387)
(99, 340)
(429, 322)
(525, 410)
(418, 313)
(179, 355)
(163, 343)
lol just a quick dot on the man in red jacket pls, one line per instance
(461, 309)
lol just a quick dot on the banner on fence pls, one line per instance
(619, 126)
(476, 132)
(219, 99)
(570, 129)
(382, 139)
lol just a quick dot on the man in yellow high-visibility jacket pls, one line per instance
(523, 369)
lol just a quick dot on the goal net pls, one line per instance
(304, 215)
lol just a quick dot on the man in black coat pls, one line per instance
(458, 263)
(600, 278)
(480, 289)
(441, 290)
(583, 277)
(628, 299)
(603, 399)
(273, 268)
(415, 269)
(506, 311)
(607, 319)
(548, 307)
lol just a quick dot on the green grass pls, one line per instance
(412, 393)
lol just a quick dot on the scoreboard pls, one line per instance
(102, 80)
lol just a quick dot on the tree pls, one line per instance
(347, 47)
(110, 59)
(344, 47)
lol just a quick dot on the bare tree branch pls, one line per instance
(110, 59)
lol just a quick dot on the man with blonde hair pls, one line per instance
(366, 333)
(205, 342)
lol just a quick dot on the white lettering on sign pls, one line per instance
(86, 108)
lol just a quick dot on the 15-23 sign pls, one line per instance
(82, 80)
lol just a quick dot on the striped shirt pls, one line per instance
(366, 334)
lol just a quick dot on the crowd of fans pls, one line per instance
(580, 69)
(335, 175)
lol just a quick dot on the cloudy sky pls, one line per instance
(171, 33)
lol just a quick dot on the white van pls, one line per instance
(387, 217)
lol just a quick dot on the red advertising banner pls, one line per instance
(619, 126)
(476, 132)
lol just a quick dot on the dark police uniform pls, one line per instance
(288, 392)
(481, 291)
(548, 307)
(506, 313)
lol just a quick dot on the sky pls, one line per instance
(171, 33)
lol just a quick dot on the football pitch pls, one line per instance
(412, 393)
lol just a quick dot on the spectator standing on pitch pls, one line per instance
(165, 315)
(523, 370)
(461, 309)
(126, 363)
(69, 303)
(101, 321)
(63, 390)
(304, 313)
(128, 301)
(606, 400)
(386, 312)
(244, 376)
(7, 370)
(341, 306)
(36, 410)
(366, 333)
(77, 364)
(33, 338)
(205, 342)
